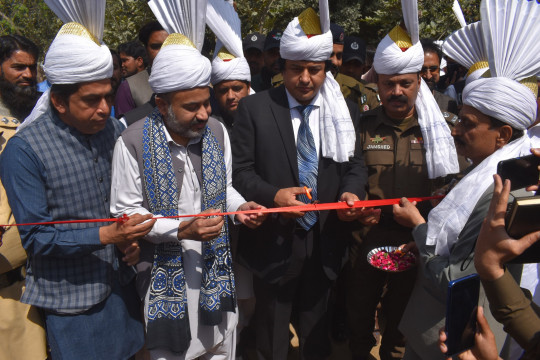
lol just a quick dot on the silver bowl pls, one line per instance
(387, 249)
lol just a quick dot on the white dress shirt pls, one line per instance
(314, 120)
(127, 197)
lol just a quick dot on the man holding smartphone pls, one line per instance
(494, 248)
(493, 121)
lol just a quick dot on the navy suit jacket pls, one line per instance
(264, 161)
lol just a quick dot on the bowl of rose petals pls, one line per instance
(391, 259)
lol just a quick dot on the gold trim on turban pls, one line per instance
(400, 37)
(477, 66)
(73, 28)
(225, 55)
(310, 22)
(177, 39)
(532, 84)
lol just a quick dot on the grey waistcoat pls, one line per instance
(132, 138)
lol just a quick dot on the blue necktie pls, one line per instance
(307, 165)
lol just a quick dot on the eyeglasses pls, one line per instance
(430, 68)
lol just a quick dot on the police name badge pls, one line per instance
(376, 144)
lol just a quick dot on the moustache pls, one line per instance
(458, 140)
(400, 98)
(32, 83)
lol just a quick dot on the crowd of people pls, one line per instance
(103, 159)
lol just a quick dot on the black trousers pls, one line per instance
(302, 295)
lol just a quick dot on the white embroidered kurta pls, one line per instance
(127, 197)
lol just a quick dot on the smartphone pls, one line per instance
(522, 171)
(461, 309)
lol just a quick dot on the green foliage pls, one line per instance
(265, 15)
(437, 20)
(33, 19)
(123, 19)
(30, 18)
(370, 19)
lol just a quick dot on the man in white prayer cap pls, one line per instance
(177, 161)
(494, 119)
(57, 168)
(290, 142)
(408, 150)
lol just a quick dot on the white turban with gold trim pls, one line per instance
(229, 62)
(179, 64)
(309, 38)
(77, 53)
(509, 91)
(509, 29)
(466, 46)
(400, 52)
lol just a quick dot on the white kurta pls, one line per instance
(126, 197)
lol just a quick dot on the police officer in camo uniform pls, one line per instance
(352, 89)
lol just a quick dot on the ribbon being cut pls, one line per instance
(302, 208)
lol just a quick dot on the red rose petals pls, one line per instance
(393, 261)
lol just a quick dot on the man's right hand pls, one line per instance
(494, 246)
(201, 228)
(287, 197)
(128, 231)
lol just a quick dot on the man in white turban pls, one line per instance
(496, 113)
(231, 76)
(285, 140)
(231, 80)
(177, 161)
(58, 168)
(408, 150)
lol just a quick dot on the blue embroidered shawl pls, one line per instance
(168, 321)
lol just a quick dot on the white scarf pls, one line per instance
(447, 219)
(337, 131)
(441, 156)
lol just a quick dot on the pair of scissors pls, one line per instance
(309, 196)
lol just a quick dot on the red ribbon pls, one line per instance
(301, 208)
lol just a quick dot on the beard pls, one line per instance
(183, 130)
(431, 84)
(20, 100)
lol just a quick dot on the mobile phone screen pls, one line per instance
(522, 171)
(461, 308)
